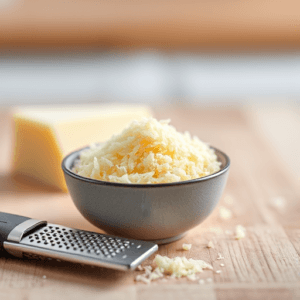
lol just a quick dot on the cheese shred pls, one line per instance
(181, 266)
(240, 232)
(148, 151)
(173, 267)
(186, 247)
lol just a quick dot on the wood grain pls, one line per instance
(164, 24)
(263, 265)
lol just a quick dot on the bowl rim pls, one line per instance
(143, 185)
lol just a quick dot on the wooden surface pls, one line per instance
(263, 144)
(166, 24)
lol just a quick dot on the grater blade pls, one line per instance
(50, 241)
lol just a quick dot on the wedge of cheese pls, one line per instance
(44, 135)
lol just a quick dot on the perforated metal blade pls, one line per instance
(52, 241)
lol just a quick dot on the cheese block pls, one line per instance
(45, 134)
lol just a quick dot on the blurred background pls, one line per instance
(228, 71)
(188, 52)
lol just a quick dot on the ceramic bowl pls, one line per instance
(160, 213)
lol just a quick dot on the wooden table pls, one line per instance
(179, 24)
(263, 144)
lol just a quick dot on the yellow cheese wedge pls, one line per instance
(44, 135)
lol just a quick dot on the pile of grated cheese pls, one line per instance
(180, 266)
(148, 151)
(175, 267)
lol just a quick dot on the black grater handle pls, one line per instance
(7, 223)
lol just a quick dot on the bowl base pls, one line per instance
(168, 240)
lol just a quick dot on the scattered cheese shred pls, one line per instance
(225, 213)
(181, 266)
(148, 269)
(240, 232)
(220, 256)
(187, 247)
(210, 245)
(148, 276)
(192, 277)
(142, 278)
(156, 274)
(279, 203)
(148, 151)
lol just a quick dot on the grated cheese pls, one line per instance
(240, 232)
(220, 256)
(148, 276)
(148, 151)
(210, 245)
(192, 277)
(148, 270)
(186, 247)
(143, 279)
(180, 266)
(173, 268)
(225, 213)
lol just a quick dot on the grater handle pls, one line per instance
(7, 223)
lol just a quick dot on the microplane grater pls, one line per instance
(30, 238)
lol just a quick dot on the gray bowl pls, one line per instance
(161, 213)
